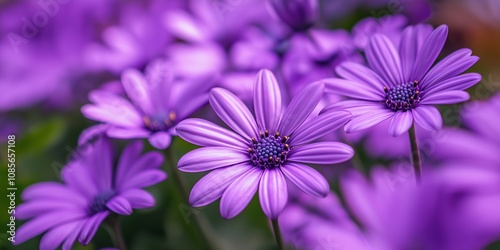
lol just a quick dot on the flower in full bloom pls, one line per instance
(92, 190)
(157, 103)
(401, 83)
(263, 152)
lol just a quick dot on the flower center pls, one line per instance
(269, 151)
(402, 97)
(98, 204)
(160, 122)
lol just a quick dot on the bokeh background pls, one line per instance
(46, 78)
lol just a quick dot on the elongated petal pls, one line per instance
(119, 205)
(233, 112)
(212, 186)
(383, 58)
(408, 50)
(448, 97)
(357, 90)
(320, 126)
(34, 208)
(368, 120)
(428, 117)
(160, 140)
(300, 108)
(144, 179)
(452, 65)
(359, 73)
(55, 237)
(400, 123)
(113, 109)
(267, 101)
(306, 179)
(273, 192)
(461, 82)
(127, 133)
(138, 198)
(355, 107)
(322, 153)
(204, 159)
(239, 193)
(135, 86)
(90, 227)
(429, 52)
(204, 133)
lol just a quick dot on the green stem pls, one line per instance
(277, 234)
(202, 225)
(115, 231)
(415, 154)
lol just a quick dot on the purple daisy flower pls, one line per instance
(402, 85)
(157, 104)
(92, 189)
(265, 151)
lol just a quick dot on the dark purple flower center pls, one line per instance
(98, 204)
(402, 97)
(269, 151)
(160, 122)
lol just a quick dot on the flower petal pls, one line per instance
(452, 65)
(212, 186)
(306, 179)
(239, 193)
(138, 198)
(352, 89)
(233, 112)
(204, 159)
(355, 107)
(408, 50)
(267, 101)
(144, 179)
(90, 227)
(461, 82)
(428, 117)
(53, 238)
(320, 126)
(321, 153)
(204, 133)
(127, 133)
(160, 140)
(273, 192)
(400, 123)
(384, 59)
(368, 120)
(300, 108)
(448, 97)
(135, 86)
(429, 52)
(361, 74)
(119, 205)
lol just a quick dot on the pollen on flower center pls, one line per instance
(402, 97)
(269, 151)
(159, 123)
(98, 204)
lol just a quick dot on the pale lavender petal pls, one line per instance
(273, 192)
(321, 153)
(204, 159)
(136, 165)
(127, 133)
(239, 193)
(113, 109)
(355, 107)
(452, 65)
(368, 120)
(306, 179)
(130, 154)
(320, 126)
(119, 205)
(300, 108)
(429, 52)
(144, 179)
(448, 97)
(160, 140)
(204, 133)
(71, 238)
(212, 186)
(359, 73)
(408, 50)
(138, 198)
(461, 82)
(383, 58)
(357, 90)
(52, 190)
(267, 101)
(100, 164)
(92, 132)
(90, 227)
(233, 112)
(428, 117)
(136, 87)
(31, 209)
(55, 237)
(182, 24)
(400, 123)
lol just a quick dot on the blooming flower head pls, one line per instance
(92, 190)
(157, 103)
(263, 152)
(401, 82)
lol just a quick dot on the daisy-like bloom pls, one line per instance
(401, 82)
(157, 103)
(92, 190)
(263, 152)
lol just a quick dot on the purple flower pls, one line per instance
(297, 14)
(390, 26)
(157, 103)
(92, 189)
(264, 152)
(402, 85)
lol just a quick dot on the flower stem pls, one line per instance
(415, 154)
(115, 231)
(202, 225)
(277, 234)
